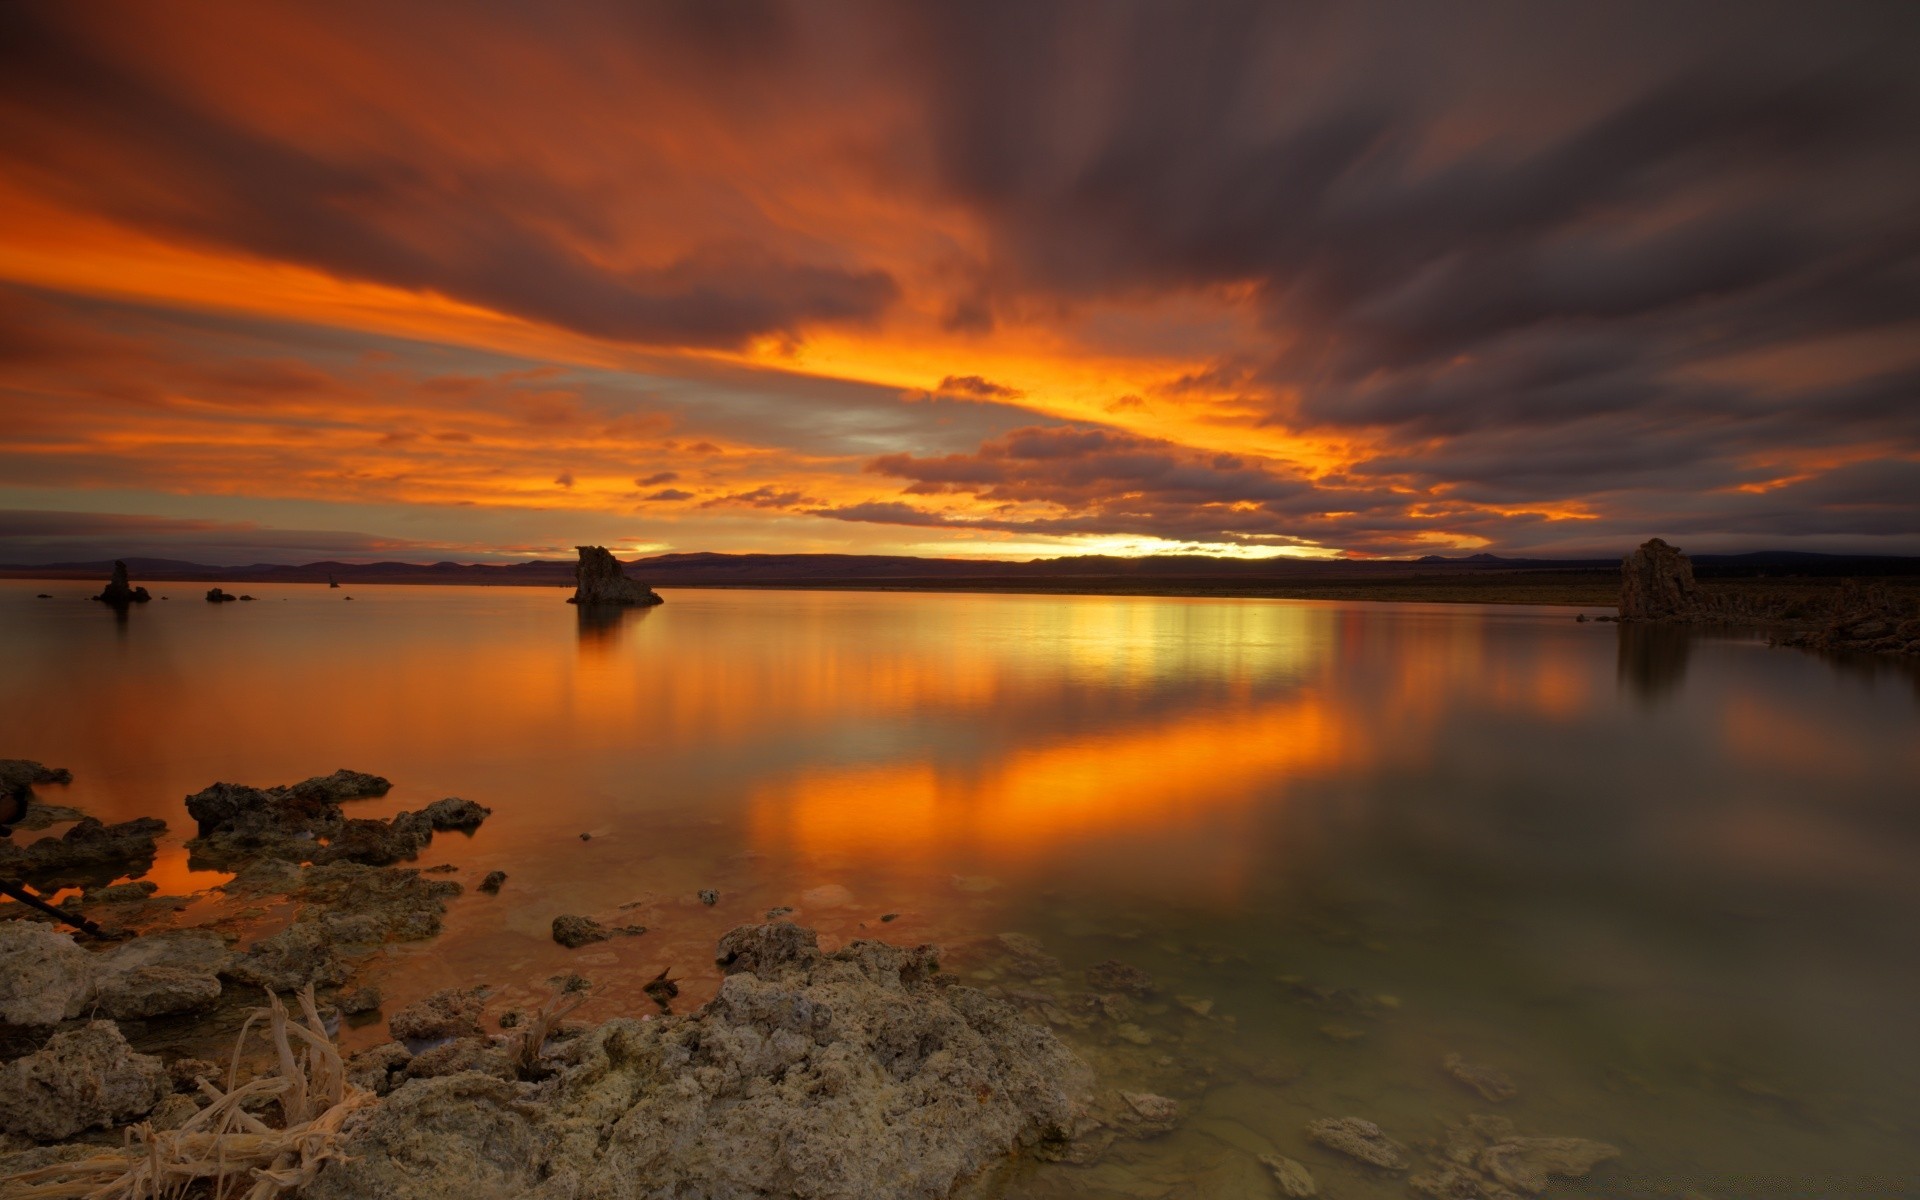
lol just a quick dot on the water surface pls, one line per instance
(1667, 883)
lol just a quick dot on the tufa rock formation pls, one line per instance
(835, 1076)
(1656, 584)
(598, 580)
(217, 595)
(119, 592)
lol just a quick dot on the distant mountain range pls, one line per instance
(879, 570)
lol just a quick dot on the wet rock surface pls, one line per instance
(850, 1074)
(492, 883)
(599, 581)
(85, 1078)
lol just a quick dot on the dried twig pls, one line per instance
(223, 1151)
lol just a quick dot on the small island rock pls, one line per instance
(119, 592)
(598, 580)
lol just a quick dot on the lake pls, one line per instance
(1668, 883)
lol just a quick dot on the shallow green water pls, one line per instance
(1667, 884)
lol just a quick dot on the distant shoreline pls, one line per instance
(1571, 589)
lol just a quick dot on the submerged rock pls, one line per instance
(599, 580)
(832, 1076)
(1486, 1159)
(1292, 1178)
(491, 884)
(119, 592)
(1492, 1085)
(86, 1078)
(1116, 976)
(574, 932)
(1361, 1140)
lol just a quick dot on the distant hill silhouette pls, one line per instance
(880, 570)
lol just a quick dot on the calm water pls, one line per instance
(1671, 886)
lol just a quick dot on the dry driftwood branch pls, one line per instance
(223, 1151)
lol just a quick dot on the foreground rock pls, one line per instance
(119, 592)
(45, 978)
(598, 580)
(89, 852)
(19, 775)
(303, 822)
(851, 1074)
(347, 909)
(86, 1078)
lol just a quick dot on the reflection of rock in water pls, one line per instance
(601, 625)
(1653, 658)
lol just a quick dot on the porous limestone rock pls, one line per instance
(162, 973)
(44, 977)
(1656, 584)
(452, 1013)
(598, 580)
(119, 592)
(831, 1076)
(491, 884)
(1359, 1139)
(302, 953)
(85, 1078)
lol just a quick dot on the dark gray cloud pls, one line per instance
(112, 138)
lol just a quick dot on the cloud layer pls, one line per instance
(1376, 279)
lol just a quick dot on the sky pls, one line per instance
(282, 281)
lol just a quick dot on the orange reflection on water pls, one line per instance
(1203, 774)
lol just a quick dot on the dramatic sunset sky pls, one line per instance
(285, 281)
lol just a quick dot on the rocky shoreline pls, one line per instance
(204, 1060)
(1657, 585)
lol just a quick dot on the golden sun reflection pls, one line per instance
(1203, 771)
